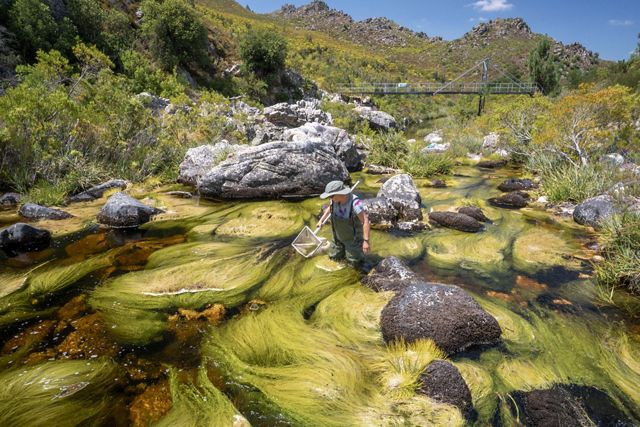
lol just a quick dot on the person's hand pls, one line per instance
(365, 247)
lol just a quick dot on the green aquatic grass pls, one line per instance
(538, 249)
(67, 393)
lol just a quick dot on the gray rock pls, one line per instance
(568, 405)
(334, 137)
(492, 164)
(123, 211)
(438, 183)
(180, 194)
(294, 115)
(36, 212)
(155, 103)
(261, 133)
(514, 200)
(98, 191)
(474, 212)
(381, 212)
(378, 120)
(491, 141)
(434, 137)
(381, 170)
(455, 220)
(613, 159)
(391, 274)
(595, 210)
(434, 148)
(445, 314)
(200, 160)
(401, 191)
(442, 382)
(516, 184)
(274, 170)
(9, 200)
(22, 237)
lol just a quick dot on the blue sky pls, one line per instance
(609, 27)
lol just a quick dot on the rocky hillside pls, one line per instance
(506, 40)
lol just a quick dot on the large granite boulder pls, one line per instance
(442, 382)
(457, 221)
(516, 184)
(568, 406)
(334, 137)
(401, 191)
(200, 160)
(261, 133)
(474, 212)
(294, 115)
(391, 274)
(274, 170)
(98, 191)
(382, 214)
(446, 314)
(36, 212)
(594, 211)
(9, 200)
(378, 120)
(514, 200)
(22, 237)
(123, 211)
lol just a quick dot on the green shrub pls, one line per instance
(620, 237)
(263, 51)
(388, 149)
(426, 165)
(175, 32)
(564, 181)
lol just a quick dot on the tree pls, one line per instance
(543, 69)
(263, 51)
(175, 32)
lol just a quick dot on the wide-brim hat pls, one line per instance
(335, 188)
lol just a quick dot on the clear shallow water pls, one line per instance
(299, 341)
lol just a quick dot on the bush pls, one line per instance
(263, 51)
(388, 149)
(621, 240)
(564, 181)
(426, 165)
(175, 32)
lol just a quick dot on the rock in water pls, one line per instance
(22, 237)
(98, 191)
(474, 212)
(381, 212)
(568, 406)
(442, 382)
(595, 210)
(9, 200)
(200, 160)
(404, 196)
(274, 170)
(510, 201)
(123, 211)
(492, 164)
(378, 120)
(37, 212)
(516, 184)
(455, 220)
(445, 314)
(390, 274)
(334, 137)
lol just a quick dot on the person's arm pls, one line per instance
(324, 216)
(366, 227)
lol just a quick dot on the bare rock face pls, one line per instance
(442, 382)
(474, 212)
(22, 237)
(513, 200)
(401, 191)
(445, 314)
(36, 212)
(378, 120)
(381, 212)
(274, 170)
(336, 138)
(516, 184)
(294, 115)
(123, 211)
(457, 221)
(98, 191)
(200, 160)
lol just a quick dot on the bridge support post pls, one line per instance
(481, 105)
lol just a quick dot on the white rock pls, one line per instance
(491, 141)
(434, 137)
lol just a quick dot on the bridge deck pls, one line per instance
(436, 88)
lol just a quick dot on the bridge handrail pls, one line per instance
(445, 87)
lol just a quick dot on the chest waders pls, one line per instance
(347, 235)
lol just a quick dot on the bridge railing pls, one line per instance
(432, 88)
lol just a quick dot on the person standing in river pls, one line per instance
(349, 224)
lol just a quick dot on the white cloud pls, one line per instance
(620, 22)
(492, 5)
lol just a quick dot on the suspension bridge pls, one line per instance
(458, 86)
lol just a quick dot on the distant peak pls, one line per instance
(502, 27)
